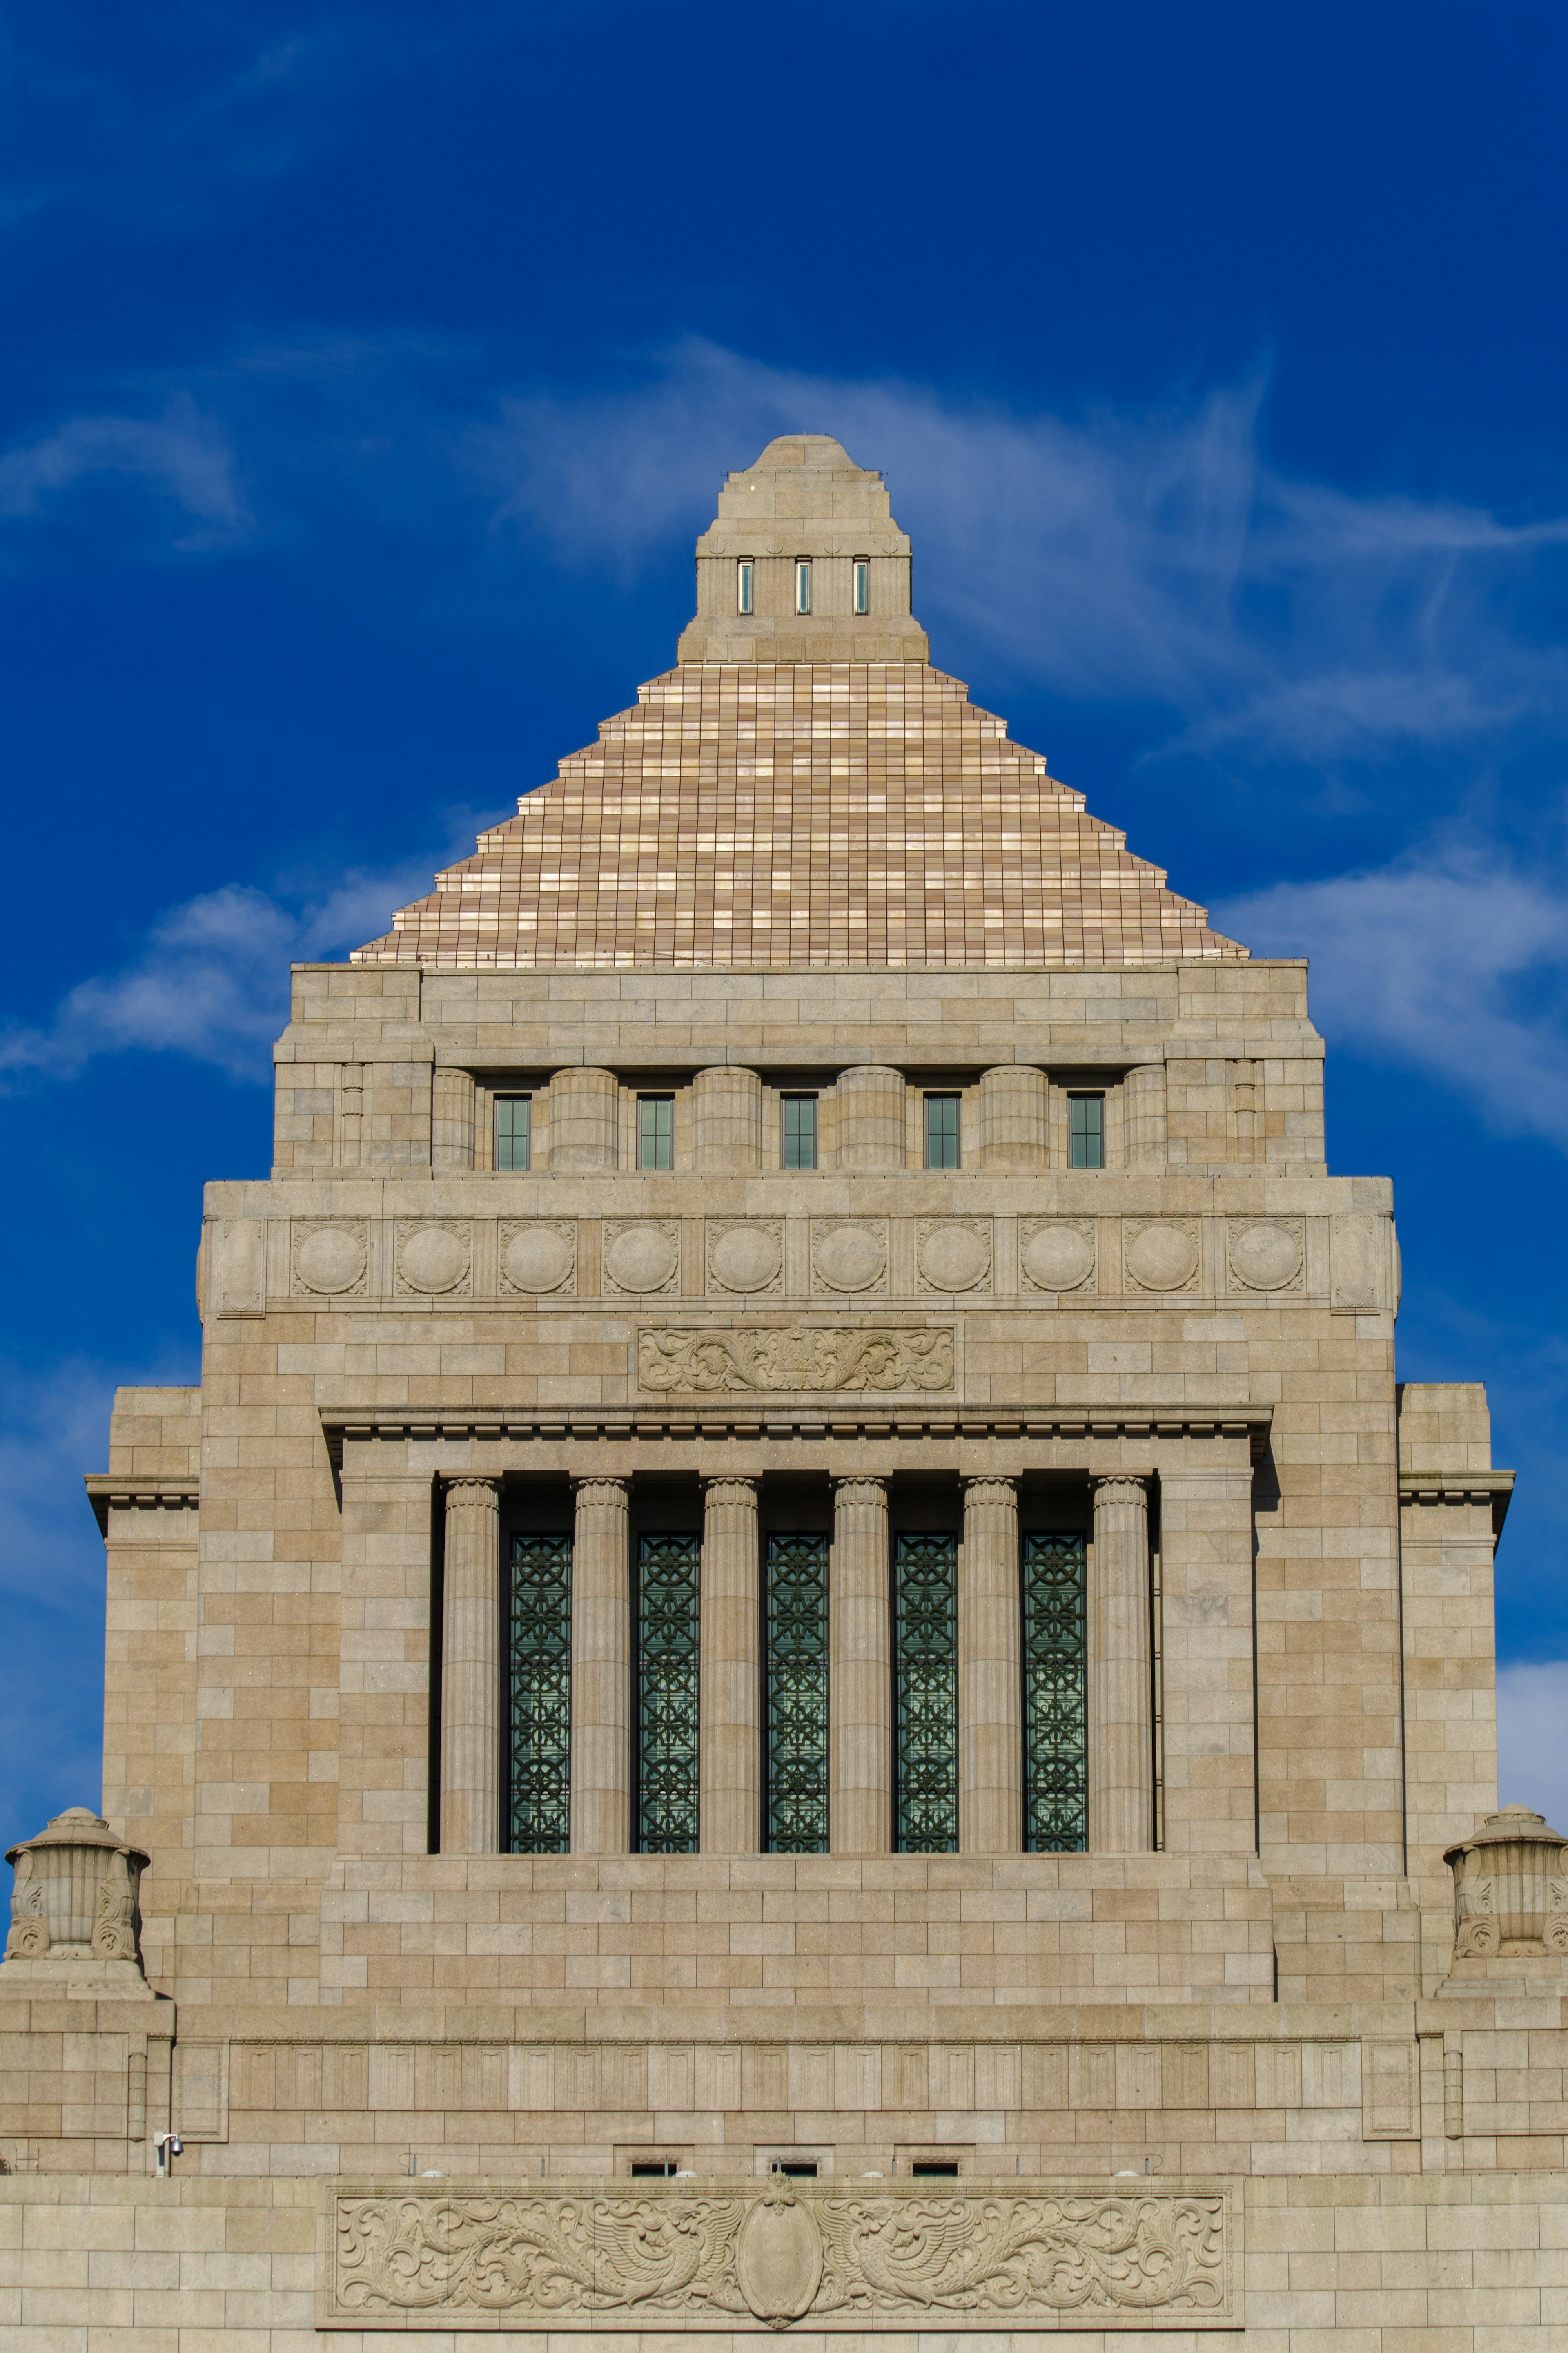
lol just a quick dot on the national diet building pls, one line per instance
(799, 1668)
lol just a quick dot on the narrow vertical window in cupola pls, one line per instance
(743, 585)
(803, 586)
(862, 586)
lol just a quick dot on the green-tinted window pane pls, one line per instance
(743, 588)
(1056, 1674)
(797, 1695)
(513, 1131)
(942, 1131)
(803, 587)
(668, 1638)
(656, 1131)
(1087, 1113)
(925, 1642)
(539, 1811)
(862, 588)
(800, 1130)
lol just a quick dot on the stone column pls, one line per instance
(601, 1668)
(990, 1673)
(1120, 1700)
(470, 1669)
(730, 1782)
(860, 1671)
(727, 1119)
(584, 1111)
(871, 1118)
(1015, 1118)
(1143, 1110)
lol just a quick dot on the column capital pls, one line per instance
(1002, 1490)
(614, 1489)
(714, 1484)
(876, 1489)
(1119, 1486)
(470, 1487)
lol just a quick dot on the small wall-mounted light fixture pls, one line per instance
(168, 2145)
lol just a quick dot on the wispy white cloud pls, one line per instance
(184, 457)
(211, 981)
(1532, 1737)
(1448, 962)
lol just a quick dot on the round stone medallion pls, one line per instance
(330, 1258)
(850, 1258)
(746, 1258)
(642, 1258)
(537, 1258)
(954, 1258)
(1163, 1258)
(1057, 1258)
(1266, 1257)
(433, 1257)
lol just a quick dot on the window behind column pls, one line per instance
(925, 1664)
(795, 1673)
(1056, 1695)
(797, 1132)
(656, 1131)
(668, 1648)
(539, 1713)
(514, 1127)
(1086, 1125)
(942, 1131)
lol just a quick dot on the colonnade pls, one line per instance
(860, 1677)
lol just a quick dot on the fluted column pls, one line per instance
(990, 1673)
(1144, 1099)
(470, 1669)
(601, 1668)
(1121, 1696)
(729, 1780)
(860, 1671)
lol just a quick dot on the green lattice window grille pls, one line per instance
(668, 1587)
(942, 1131)
(1056, 1696)
(514, 1119)
(925, 1651)
(539, 1723)
(1086, 1115)
(796, 1624)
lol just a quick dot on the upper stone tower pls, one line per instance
(804, 562)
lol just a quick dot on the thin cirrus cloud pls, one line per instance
(211, 982)
(1451, 962)
(183, 459)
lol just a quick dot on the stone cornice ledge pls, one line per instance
(1493, 1487)
(107, 1488)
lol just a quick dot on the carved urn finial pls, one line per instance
(76, 1922)
(1510, 1888)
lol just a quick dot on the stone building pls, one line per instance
(798, 1666)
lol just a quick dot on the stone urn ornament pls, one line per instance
(76, 1919)
(1510, 1889)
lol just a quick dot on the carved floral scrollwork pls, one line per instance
(1159, 2257)
(803, 1356)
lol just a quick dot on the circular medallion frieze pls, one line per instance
(433, 1257)
(778, 2258)
(330, 1257)
(1057, 1258)
(1266, 1257)
(954, 1257)
(1163, 1258)
(849, 1258)
(746, 1258)
(537, 1258)
(642, 1258)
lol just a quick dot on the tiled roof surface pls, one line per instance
(845, 813)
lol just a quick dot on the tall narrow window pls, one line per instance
(514, 1129)
(802, 587)
(668, 1622)
(539, 1715)
(942, 1131)
(1086, 1120)
(656, 1131)
(862, 584)
(1056, 1696)
(797, 1686)
(798, 1132)
(925, 1683)
(743, 585)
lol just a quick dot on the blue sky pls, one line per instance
(371, 371)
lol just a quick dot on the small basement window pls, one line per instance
(655, 2169)
(862, 584)
(803, 586)
(743, 585)
(923, 2172)
(1087, 1123)
(514, 1131)
(656, 1131)
(799, 2168)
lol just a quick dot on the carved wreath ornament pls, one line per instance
(803, 1356)
(1069, 2257)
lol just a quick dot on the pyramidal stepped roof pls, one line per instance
(802, 789)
